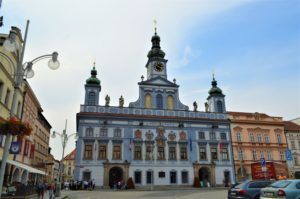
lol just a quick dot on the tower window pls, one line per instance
(219, 107)
(170, 102)
(92, 98)
(159, 101)
(148, 101)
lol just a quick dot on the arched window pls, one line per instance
(92, 98)
(159, 101)
(219, 107)
(148, 101)
(170, 102)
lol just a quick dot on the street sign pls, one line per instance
(289, 156)
(263, 162)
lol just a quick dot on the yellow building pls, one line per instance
(68, 169)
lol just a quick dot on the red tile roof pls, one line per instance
(247, 114)
(291, 126)
(71, 156)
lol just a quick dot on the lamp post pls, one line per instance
(64, 140)
(22, 71)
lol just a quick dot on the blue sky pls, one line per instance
(252, 47)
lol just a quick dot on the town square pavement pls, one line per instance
(166, 194)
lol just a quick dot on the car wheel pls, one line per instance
(256, 197)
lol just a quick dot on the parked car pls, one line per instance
(287, 189)
(248, 190)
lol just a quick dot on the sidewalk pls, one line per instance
(63, 195)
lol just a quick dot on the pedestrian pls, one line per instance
(40, 190)
(51, 190)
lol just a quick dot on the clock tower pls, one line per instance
(156, 65)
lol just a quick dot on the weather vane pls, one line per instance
(155, 23)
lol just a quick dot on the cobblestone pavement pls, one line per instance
(170, 194)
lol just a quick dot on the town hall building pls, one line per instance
(156, 140)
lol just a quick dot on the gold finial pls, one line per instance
(213, 74)
(155, 23)
(94, 63)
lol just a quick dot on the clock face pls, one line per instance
(158, 66)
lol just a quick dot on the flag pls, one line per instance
(130, 144)
(221, 147)
(191, 144)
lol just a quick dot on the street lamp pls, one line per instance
(64, 140)
(22, 71)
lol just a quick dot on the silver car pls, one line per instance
(283, 189)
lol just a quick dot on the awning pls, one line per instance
(24, 166)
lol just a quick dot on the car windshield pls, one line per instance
(281, 184)
(241, 184)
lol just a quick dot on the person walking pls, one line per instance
(51, 190)
(40, 190)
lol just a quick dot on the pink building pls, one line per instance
(257, 135)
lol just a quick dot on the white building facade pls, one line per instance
(156, 140)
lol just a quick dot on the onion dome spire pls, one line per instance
(155, 50)
(93, 79)
(214, 89)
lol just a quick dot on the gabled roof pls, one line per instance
(158, 81)
(71, 156)
(291, 126)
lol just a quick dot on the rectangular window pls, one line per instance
(201, 136)
(241, 154)
(238, 137)
(149, 155)
(223, 136)
(282, 156)
(202, 152)
(267, 138)
(7, 96)
(254, 155)
(172, 153)
(214, 153)
(117, 152)
(137, 152)
(89, 132)
(161, 174)
(102, 152)
(279, 139)
(138, 177)
(1, 91)
(183, 153)
(259, 140)
(161, 153)
(173, 177)
(184, 177)
(117, 132)
(212, 136)
(19, 109)
(103, 132)
(252, 139)
(269, 154)
(88, 152)
(225, 154)
(262, 154)
(293, 146)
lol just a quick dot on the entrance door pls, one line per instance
(204, 176)
(115, 176)
(226, 178)
(149, 177)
